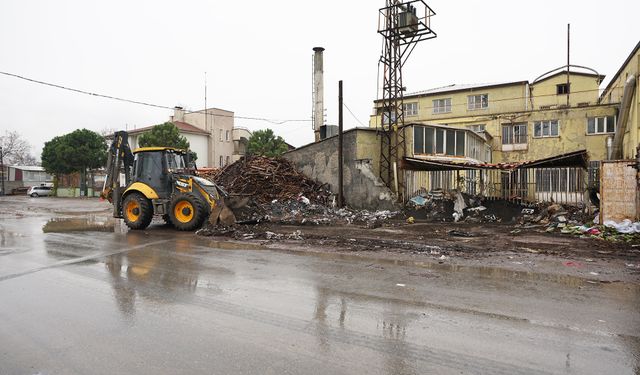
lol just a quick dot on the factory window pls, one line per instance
(226, 136)
(514, 134)
(601, 125)
(385, 117)
(428, 140)
(221, 161)
(562, 89)
(559, 180)
(478, 102)
(411, 109)
(544, 129)
(220, 135)
(442, 105)
(432, 141)
(227, 160)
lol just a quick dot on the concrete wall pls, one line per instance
(75, 193)
(362, 187)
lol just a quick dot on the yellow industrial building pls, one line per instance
(520, 120)
(562, 114)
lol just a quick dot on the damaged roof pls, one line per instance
(571, 159)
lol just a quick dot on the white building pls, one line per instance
(210, 133)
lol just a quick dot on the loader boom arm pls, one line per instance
(119, 155)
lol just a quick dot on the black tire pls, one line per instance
(187, 212)
(137, 211)
(34, 195)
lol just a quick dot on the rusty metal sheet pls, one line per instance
(618, 191)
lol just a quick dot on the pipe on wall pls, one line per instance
(623, 117)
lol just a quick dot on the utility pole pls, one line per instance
(340, 149)
(402, 25)
(2, 166)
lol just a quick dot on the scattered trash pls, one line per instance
(626, 226)
(528, 211)
(458, 233)
(419, 200)
(411, 220)
(573, 264)
(304, 200)
(594, 273)
(297, 235)
(529, 250)
(458, 207)
(477, 209)
(401, 285)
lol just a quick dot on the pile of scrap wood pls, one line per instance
(209, 173)
(267, 179)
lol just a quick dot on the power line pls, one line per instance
(352, 114)
(272, 121)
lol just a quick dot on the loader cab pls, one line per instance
(155, 166)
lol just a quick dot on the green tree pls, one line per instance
(75, 152)
(265, 143)
(165, 135)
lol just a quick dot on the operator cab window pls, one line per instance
(175, 161)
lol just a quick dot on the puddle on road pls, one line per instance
(86, 224)
(228, 245)
(473, 272)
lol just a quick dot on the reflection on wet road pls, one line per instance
(162, 302)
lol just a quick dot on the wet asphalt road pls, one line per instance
(162, 302)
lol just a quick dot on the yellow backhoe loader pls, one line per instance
(161, 181)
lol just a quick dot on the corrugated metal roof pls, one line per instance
(571, 159)
(462, 87)
(27, 168)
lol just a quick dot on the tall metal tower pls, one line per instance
(402, 24)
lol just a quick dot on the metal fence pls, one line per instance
(560, 185)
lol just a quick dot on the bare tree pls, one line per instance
(107, 131)
(15, 150)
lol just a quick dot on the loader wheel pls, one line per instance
(187, 212)
(137, 211)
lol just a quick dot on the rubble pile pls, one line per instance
(267, 179)
(272, 191)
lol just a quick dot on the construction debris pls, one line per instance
(274, 192)
(267, 179)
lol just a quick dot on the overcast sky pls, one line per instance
(257, 55)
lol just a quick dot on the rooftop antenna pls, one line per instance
(206, 111)
(568, 62)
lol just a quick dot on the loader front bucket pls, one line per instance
(222, 213)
